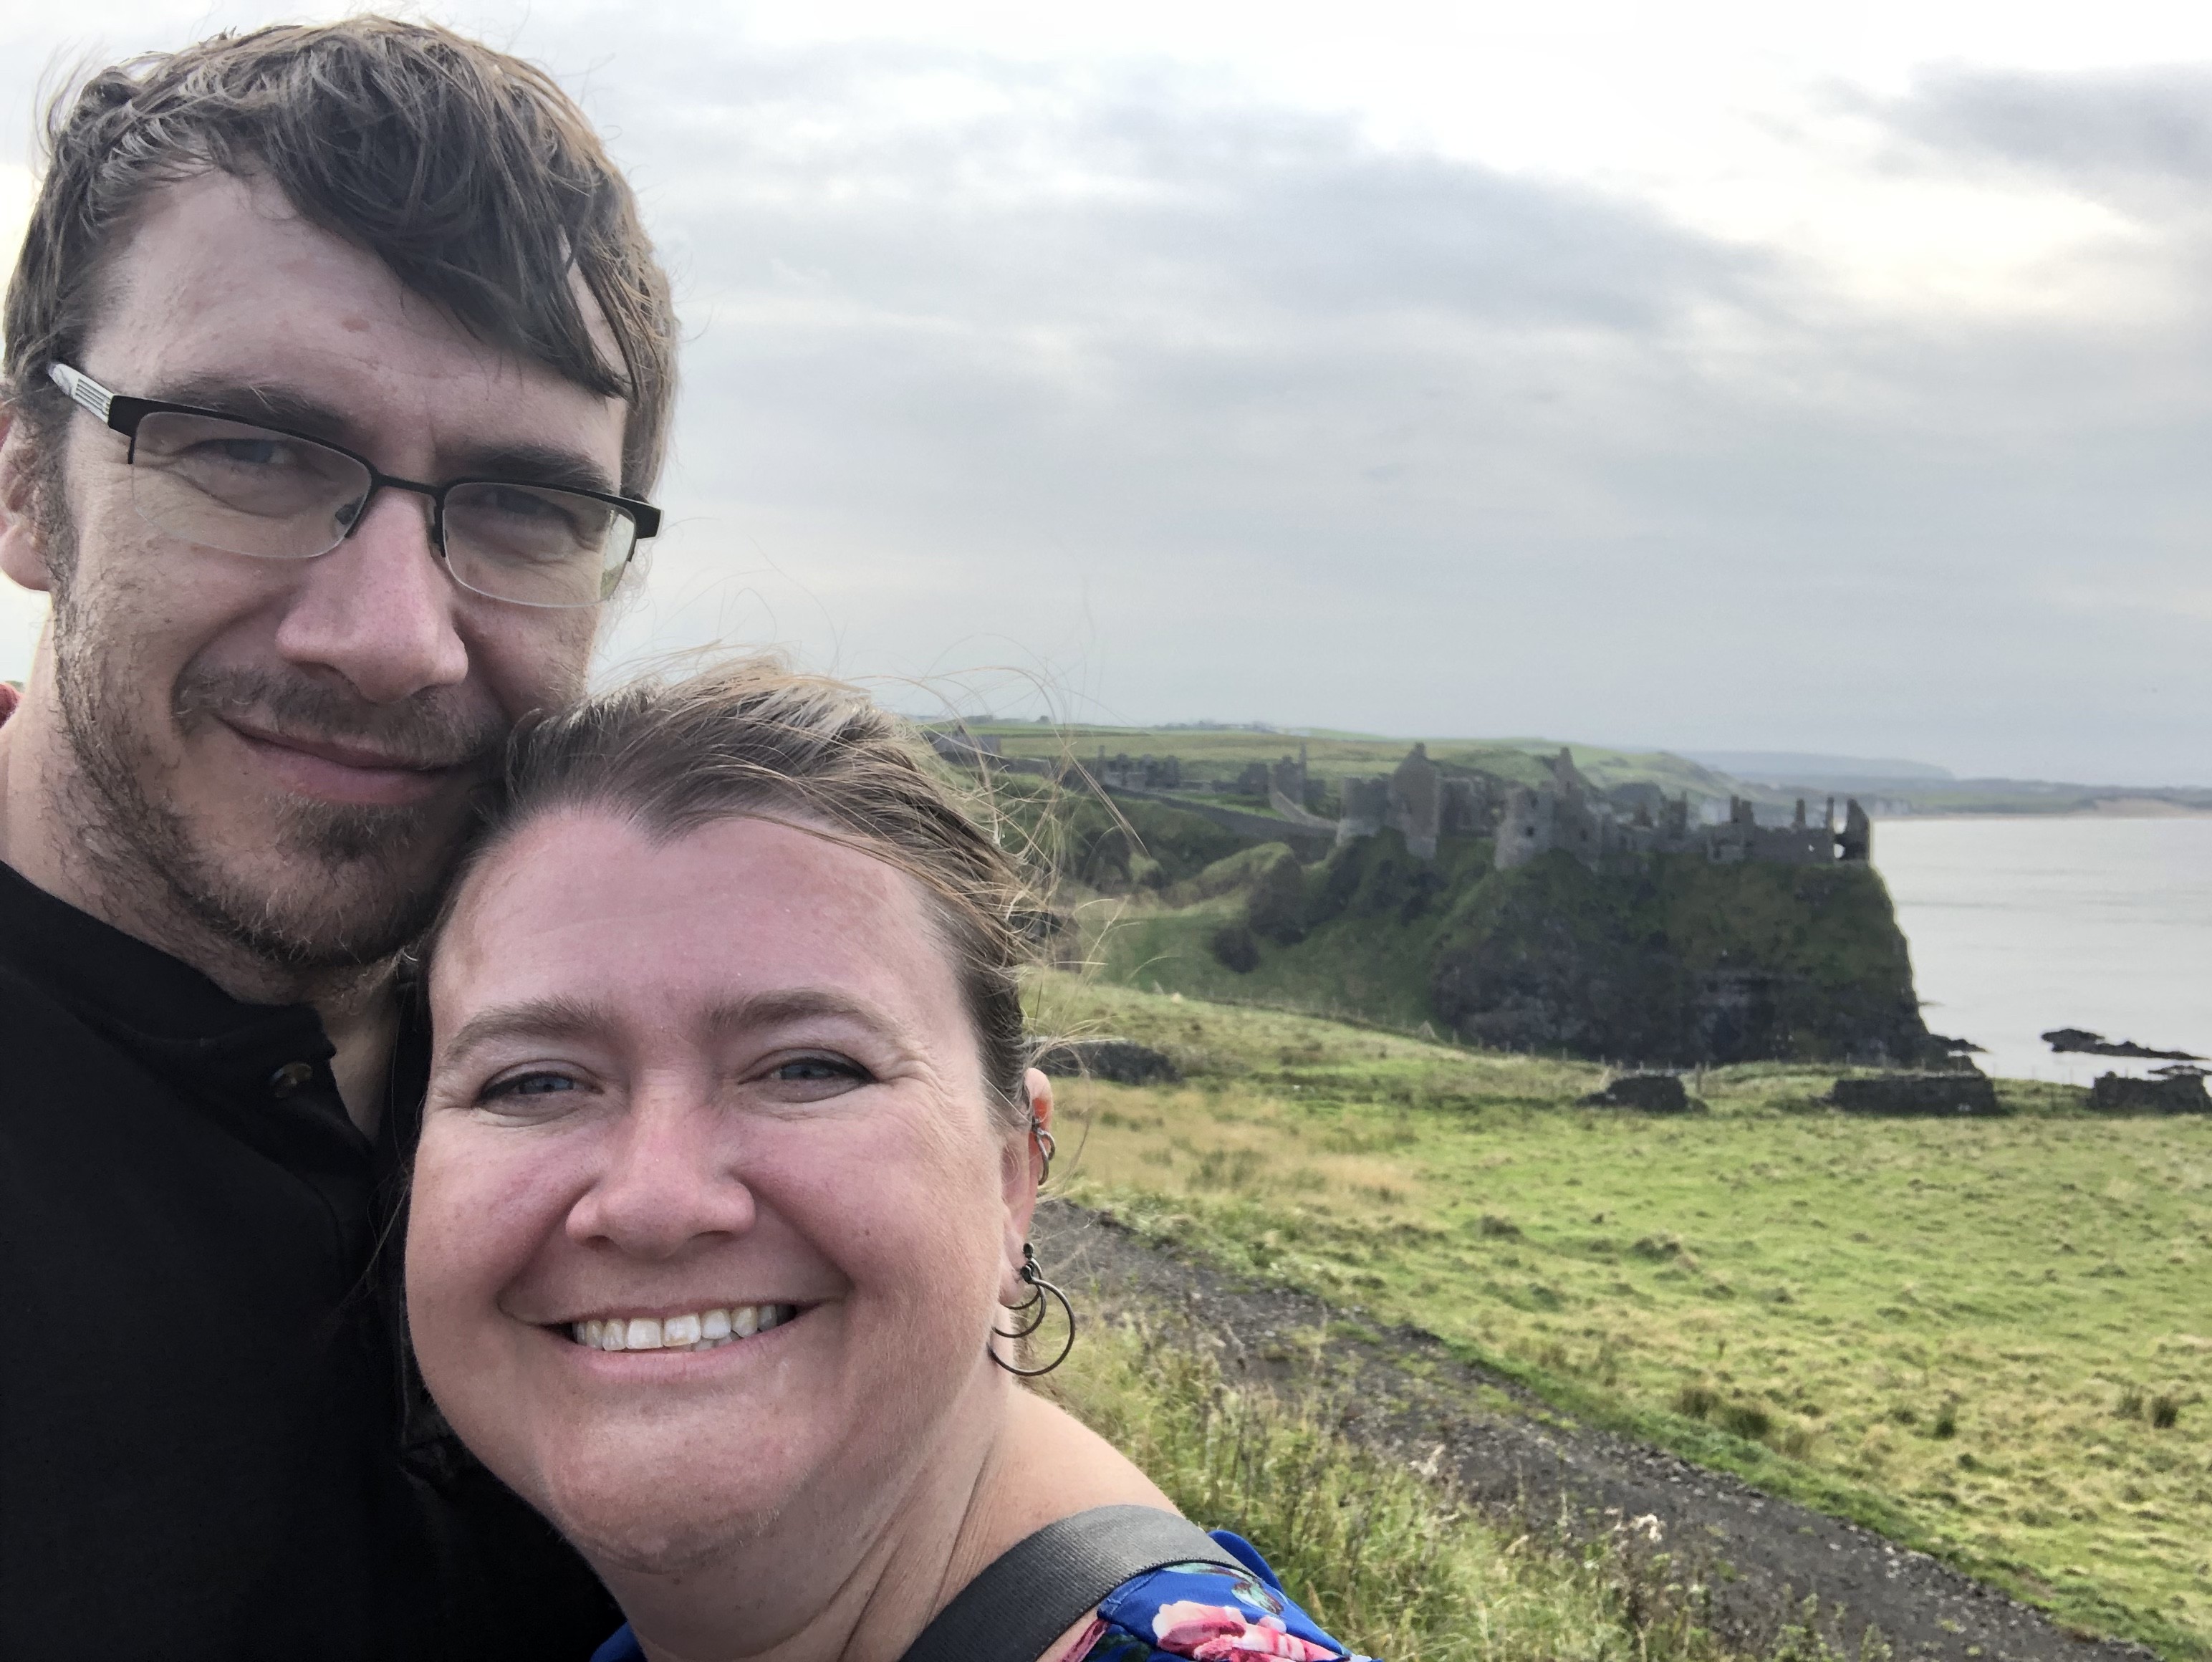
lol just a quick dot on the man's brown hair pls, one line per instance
(470, 173)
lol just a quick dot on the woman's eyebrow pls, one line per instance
(567, 1017)
(536, 1017)
(791, 1004)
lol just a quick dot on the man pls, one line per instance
(337, 365)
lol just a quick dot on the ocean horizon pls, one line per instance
(2018, 926)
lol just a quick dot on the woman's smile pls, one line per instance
(703, 1329)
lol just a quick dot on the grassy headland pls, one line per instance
(1548, 956)
(1987, 1338)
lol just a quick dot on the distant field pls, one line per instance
(1217, 753)
(1990, 1338)
(1212, 753)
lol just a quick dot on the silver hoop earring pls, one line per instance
(1046, 1147)
(1029, 1316)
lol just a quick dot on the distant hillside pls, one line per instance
(1215, 756)
(1782, 767)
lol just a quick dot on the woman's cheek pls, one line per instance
(454, 1239)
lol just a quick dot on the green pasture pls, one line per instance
(1989, 1338)
(1221, 753)
(1374, 1550)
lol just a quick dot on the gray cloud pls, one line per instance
(1231, 413)
(2142, 123)
(1195, 405)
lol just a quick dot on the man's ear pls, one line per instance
(22, 545)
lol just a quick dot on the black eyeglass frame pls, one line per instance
(122, 414)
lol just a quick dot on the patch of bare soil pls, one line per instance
(1763, 1556)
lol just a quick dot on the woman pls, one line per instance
(724, 1183)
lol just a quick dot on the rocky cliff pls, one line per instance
(1677, 961)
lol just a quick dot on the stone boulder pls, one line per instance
(2178, 1094)
(1651, 1093)
(1961, 1092)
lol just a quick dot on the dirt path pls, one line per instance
(1415, 1396)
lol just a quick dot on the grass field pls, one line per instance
(1220, 753)
(1990, 1338)
(1378, 1552)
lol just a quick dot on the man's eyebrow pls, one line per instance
(257, 401)
(535, 463)
(536, 1017)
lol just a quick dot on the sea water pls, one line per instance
(2019, 926)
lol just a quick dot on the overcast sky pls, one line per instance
(1706, 376)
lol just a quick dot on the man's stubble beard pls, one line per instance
(339, 887)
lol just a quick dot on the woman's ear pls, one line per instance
(1038, 1084)
(1023, 1169)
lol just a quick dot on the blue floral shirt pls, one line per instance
(1183, 1613)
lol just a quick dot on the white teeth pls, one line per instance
(707, 1331)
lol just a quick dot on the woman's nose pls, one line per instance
(671, 1181)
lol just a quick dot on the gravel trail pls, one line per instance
(1412, 1396)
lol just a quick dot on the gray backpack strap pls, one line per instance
(1034, 1590)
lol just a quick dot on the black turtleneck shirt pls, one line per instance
(211, 1443)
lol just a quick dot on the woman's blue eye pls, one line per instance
(531, 1085)
(809, 1070)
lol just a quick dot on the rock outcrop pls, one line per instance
(1649, 1094)
(2176, 1094)
(1115, 1059)
(1917, 1094)
(1681, 962)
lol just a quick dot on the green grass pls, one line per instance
(1374, 970)
(1964, 1333)
(1222, 754)
(1376, 1552)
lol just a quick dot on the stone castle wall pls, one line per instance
(1423, 804)
(1565, 812)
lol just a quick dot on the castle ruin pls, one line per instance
(1125, 772)
(1424, 804)
(1418, 801)
(1565, 811)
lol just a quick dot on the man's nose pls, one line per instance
(378, 609)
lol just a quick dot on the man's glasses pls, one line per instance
(245, 488)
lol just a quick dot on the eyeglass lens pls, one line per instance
(245, 490)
